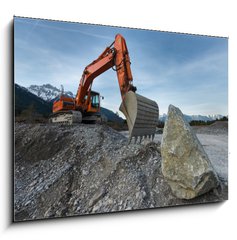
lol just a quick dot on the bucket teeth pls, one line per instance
(140, 138)
(153, 136)
(141, 114)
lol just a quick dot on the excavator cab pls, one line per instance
(92, 113)
(94, 105)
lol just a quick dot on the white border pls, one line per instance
(211, 221)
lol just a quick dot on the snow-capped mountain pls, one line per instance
(25, 98)
(190, 118)
(47, 91)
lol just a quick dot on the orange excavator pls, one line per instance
(141, 113)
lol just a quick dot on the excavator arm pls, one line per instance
(116, 55)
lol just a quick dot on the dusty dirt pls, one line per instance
(85, 169)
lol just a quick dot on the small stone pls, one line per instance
(143, 194)
(109, 202)
(85, 172)
(48, 213)
(33, 183)
(137, 195)
(159, 149)
(27, 203)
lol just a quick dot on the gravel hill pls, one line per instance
(217, 128)
(86, 169)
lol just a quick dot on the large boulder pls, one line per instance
(185, 164)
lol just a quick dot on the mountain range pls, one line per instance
(24, 99)
(42, 97)
(190, 118)
(46, 93)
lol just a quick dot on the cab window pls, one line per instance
(95, 101)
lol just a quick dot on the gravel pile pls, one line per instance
(86, 169)
(218, 128)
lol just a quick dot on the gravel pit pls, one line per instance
(83, 169)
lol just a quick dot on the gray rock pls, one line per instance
(185, 165)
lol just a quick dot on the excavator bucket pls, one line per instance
(141, 114)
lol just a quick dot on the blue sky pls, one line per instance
(188, 71)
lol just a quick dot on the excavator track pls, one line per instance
(66, 117)
(141, 114)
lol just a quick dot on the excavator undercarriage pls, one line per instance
(66, 117)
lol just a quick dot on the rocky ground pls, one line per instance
(217, 128)
(214, 139)
(85, 169)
